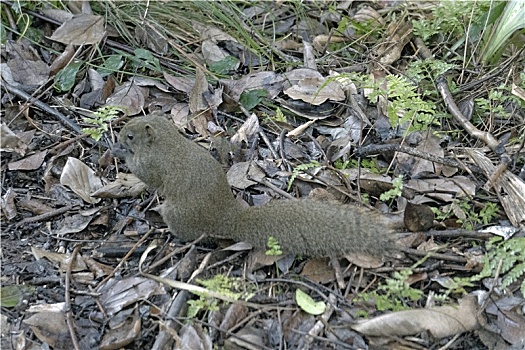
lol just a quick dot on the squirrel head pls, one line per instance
(140, 145)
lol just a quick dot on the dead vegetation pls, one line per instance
(414, 108)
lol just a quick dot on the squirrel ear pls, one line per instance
(150, 134)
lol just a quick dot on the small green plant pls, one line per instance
(369, 164)
(494, 104)
(339, 164)
(451, 17)
(274, 248)
(511, 253)
(427, 69)
(100, 121)
(466, 214)
(299, 168)
(394, 293)
(197, 305)
(394, 192)
(406, 104)
(231, 287)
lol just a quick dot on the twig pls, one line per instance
(371, 149)
(442, 87)
(67, 296)
(173, 253)
(432, 255)
(22, 94)
(45, 216)
(124, 259)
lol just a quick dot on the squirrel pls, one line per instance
(199, 200)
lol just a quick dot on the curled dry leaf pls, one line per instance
(80, 179)
(247, 129)
(8, 204)
(51, 328)
(440, 321)
(122, 333)
(125, 185)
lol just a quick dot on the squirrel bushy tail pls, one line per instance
(314, 228)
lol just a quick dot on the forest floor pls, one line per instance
(415, 109)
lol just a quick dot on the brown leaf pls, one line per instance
(10, 142)
(63, 259)
(130, 97)
(62, 60)
(51, 328)
(239, 175)
(32, 162)
(8, 204)
(440, 321)
(183, 84)
(125, 185)
(80, 179)
(316, 91)
(82, 29)
(123, 333)
(318, 270)
(269, 81)
(197, 101)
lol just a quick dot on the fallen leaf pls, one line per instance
(307, 304)
(10, 142)
(316, 91)
(130, 97)
(442, 321)
(32, 162)
(80, 179)
(82, 29)
(62, 259)
(51, 328)
(125, 185)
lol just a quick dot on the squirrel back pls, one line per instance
(198, 200)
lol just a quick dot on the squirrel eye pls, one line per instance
(130, 137)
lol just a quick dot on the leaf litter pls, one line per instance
(318, 80)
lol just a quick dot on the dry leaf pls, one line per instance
(440, 321)
(62, 259)
(123, 333)
(117, 294)
(183, 84)
(80, 179)
(125, 185)
(9, 142)
(239, 175)
(316, 91)
(51, 328)
(82, 29)
(32, 162)
(130, 97)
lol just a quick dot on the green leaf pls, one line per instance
(112, 64)
(147, 60)
(65, 78)
(225, 65)
(510, 21)
(307, 304)
(250, 99)
(11, 296)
